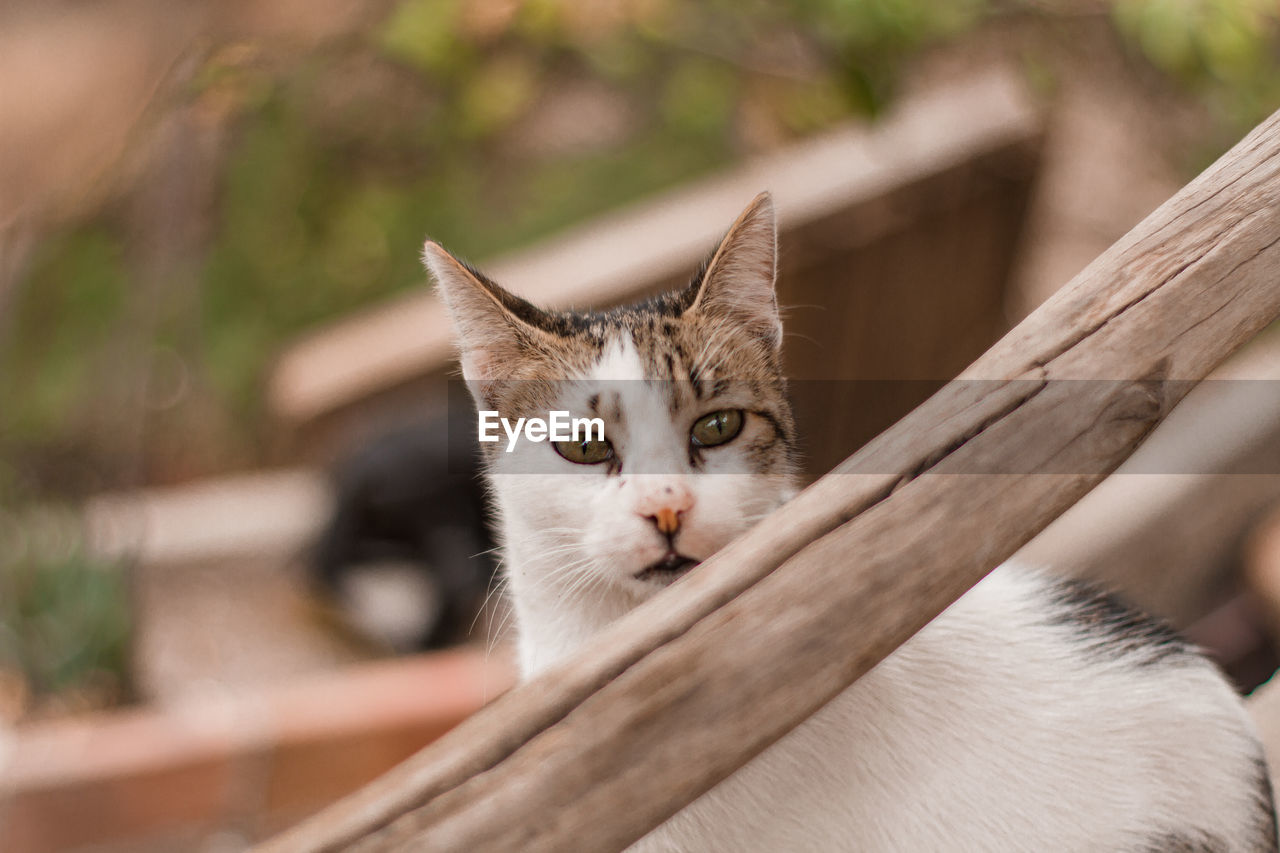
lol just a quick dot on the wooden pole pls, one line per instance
(693, 684)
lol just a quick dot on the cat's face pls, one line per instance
(698, 436)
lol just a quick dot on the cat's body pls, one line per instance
(1031, 715)
(1007, 724)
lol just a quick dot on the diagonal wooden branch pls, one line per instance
(692, 685)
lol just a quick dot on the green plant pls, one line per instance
(64, 613)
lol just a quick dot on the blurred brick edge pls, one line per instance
(250, 762)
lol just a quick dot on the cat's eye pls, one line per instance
(716, 428)
(585, 452)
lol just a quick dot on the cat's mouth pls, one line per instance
(666, 570)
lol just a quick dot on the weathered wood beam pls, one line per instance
(693, 684)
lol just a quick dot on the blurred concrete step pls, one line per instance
(217, 771)
(219, 581)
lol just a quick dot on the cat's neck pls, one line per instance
(551, 622)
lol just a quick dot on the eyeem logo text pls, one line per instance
(558, 426)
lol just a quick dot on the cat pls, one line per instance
(1033, 714)
(405, 553)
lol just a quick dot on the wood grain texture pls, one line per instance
(693, 684)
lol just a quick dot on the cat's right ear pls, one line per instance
(493, 332)
(737, 283)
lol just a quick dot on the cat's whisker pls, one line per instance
(503, 608)
(497, 584)
(558, 547)
(560, 568)
(548, 556)
(501, 631)
(586, 583)
(803, 337)
(574, 572)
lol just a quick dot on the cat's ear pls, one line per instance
(496, 329)
(738, 284)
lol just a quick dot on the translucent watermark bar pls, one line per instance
(650, 424)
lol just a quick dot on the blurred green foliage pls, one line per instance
(435, 123)
(1224, 48)
(69, 309)
(867, 41)
(64, 614)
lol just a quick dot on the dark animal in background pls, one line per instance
(406, 555)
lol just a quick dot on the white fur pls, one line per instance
(988, 731)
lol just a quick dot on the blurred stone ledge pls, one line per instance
(263, 515)
(219, 771)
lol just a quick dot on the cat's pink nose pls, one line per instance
(668, 520)
(664, 504)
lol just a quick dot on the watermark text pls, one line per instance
(558, 426)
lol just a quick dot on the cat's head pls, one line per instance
(699, 440)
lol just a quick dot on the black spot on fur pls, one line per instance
(556, 324)
(641, 318)
(676, 398)
(612, 411)
(696, 381)
(1112, 629)
(781, 429)
(1266, 819)
(661, 306)
(1190, 842)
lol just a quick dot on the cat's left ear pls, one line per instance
(738, 284)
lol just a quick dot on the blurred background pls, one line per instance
(227, 505)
